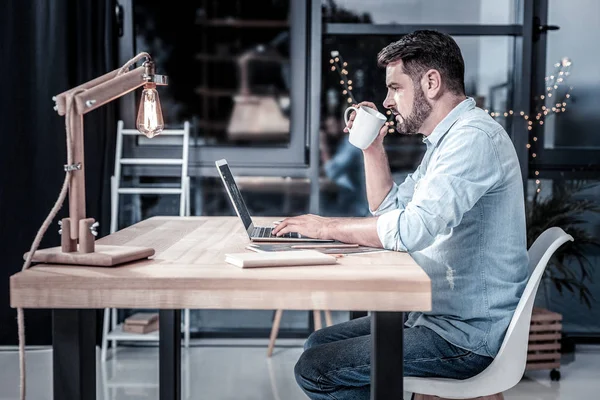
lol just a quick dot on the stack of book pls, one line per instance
(141, 323)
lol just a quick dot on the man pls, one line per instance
(460, 215)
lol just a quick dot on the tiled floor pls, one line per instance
(225, 370)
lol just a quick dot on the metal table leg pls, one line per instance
(358, 314)
(387, 358)
(74, 354)
(170, 354)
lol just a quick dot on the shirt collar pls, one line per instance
(444, 126)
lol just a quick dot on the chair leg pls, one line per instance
(186, 328)
(317, 317)
(497, 396)
(105, 324)
(328, 320)
(274, 331)
(113, 326)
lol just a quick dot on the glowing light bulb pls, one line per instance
(150, 120)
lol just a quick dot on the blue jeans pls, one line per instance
(336, 360)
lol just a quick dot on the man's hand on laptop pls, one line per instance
(308, 225)
(359, 230)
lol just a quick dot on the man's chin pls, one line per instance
(401, 129)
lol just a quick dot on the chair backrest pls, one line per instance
(509, 365)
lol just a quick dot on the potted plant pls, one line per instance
(568, 269)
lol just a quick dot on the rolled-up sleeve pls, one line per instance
(466, 168)
(399, 195)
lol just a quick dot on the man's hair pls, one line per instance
(423, 50)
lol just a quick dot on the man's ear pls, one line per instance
(431, 83)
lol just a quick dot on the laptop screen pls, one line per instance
(234, 193)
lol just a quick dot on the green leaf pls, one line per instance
(570, 266)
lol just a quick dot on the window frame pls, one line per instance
(252, 159)
(559, 158)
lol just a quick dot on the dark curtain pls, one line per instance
(47, 47)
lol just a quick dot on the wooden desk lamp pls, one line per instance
(78, 232)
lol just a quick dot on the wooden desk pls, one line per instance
(188, 271)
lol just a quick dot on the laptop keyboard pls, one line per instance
(264, 232)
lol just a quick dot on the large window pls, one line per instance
(289, 43)
(236, 74)
(569, 140)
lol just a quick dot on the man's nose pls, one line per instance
(388, 102)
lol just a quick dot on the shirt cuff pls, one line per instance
(389, 202)
(388, 232)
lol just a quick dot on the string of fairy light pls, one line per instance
(340, 65)
(553, 82)
(337, 63)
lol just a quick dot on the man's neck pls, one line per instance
(440, 110)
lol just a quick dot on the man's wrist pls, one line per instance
(374, 148)
(331, 228)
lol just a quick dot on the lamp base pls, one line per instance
(103, 256)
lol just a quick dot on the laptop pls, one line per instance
(255, 233)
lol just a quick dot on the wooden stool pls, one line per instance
(277, 321)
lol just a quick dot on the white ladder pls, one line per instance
(116, 332)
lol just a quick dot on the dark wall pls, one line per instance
(47, 47)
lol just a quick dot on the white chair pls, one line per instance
(509, 365)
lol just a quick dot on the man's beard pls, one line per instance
(420, 112)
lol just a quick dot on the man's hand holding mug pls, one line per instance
(366, 125)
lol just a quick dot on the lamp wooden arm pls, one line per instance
(102, 90)
(99, 91)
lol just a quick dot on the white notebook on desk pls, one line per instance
(279, 259)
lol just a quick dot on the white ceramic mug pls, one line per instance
(365, 127)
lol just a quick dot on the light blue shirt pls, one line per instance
(461, 216)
